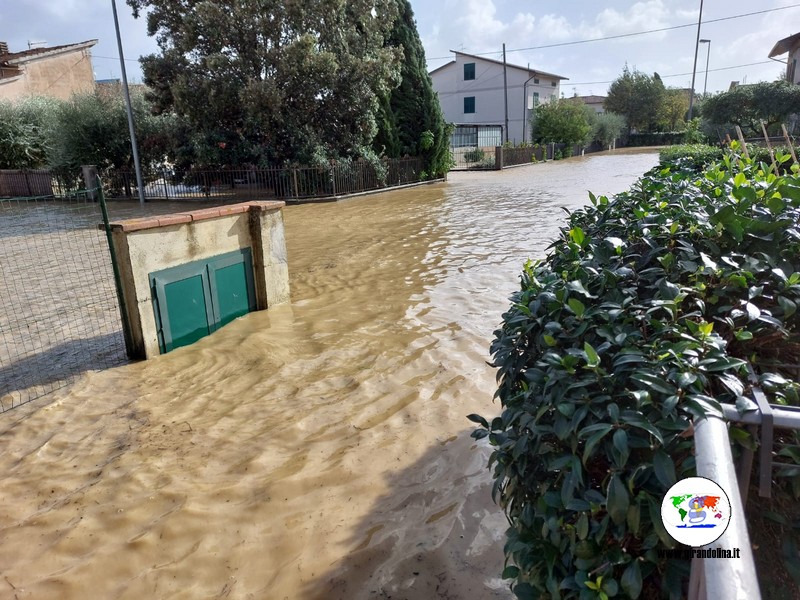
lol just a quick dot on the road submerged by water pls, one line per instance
(318, 450)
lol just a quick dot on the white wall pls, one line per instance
(487, 88)
(794, 60)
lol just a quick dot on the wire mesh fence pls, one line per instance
(59, 315)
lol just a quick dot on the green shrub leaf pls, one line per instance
(632, 580)
(618, 500)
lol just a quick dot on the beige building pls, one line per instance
(791, 45)
(59, 71)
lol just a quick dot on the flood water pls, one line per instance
(318, 450)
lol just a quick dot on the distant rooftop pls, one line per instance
(783, 46)
(500, 62)
(14, 58)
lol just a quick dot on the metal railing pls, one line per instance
(712, 578)
(510, 157)
(285, 183)
(39, 183)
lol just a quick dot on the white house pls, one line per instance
(791, 45)
(594, 102)
(472, 94)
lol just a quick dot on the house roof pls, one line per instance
(591, 99)
(785, 45)
(500, 62)
(16, 58)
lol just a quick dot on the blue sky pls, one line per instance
(482, 26)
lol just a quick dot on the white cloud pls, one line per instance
(556, 27)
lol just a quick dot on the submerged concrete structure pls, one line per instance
(184, 275)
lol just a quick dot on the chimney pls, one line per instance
(3, 47)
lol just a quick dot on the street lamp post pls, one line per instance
(694, 69)
(136, 165)
(708, 56)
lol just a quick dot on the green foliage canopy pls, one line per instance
(674, 109)
(274, 81)
(747, 105)
(606, 127)
(25, 132)
(86, 129)
(410, 120)
(560, 121)
(637, 97)
(92, 129)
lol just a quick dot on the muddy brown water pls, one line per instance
(318, 450)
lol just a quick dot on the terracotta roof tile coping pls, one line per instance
(194, 215)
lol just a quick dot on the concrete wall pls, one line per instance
(487, 88)
(58, 76)
(153, 244)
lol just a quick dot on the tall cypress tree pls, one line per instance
(412, 109)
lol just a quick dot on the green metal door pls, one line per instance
(192, 300)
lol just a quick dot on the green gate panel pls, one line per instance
(187, 311)
(232, 289)
(192, 300)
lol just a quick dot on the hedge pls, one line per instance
(658, 138)
(643, 316)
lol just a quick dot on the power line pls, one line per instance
(763, 62)
(572, 84)
(625, 35)
(134, 60)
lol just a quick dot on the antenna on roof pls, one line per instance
(33, 45)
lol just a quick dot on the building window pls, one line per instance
(535, 99)
(553, 83)
(469, 71)
(536, 81)
(469, 104)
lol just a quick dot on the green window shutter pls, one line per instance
(469, 104)
(182, 304)
(232, 289)
(192, 300)
(469, 71)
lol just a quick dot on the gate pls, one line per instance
(473, 146)
(59, 314)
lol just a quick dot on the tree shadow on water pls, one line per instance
(436, 534)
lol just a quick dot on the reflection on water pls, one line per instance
(317, 450)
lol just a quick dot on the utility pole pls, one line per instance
(134, 147)
(525, 104)
(694, 69)
(708, 57)
(505, 87)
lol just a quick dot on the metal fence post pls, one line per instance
(123, 309)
